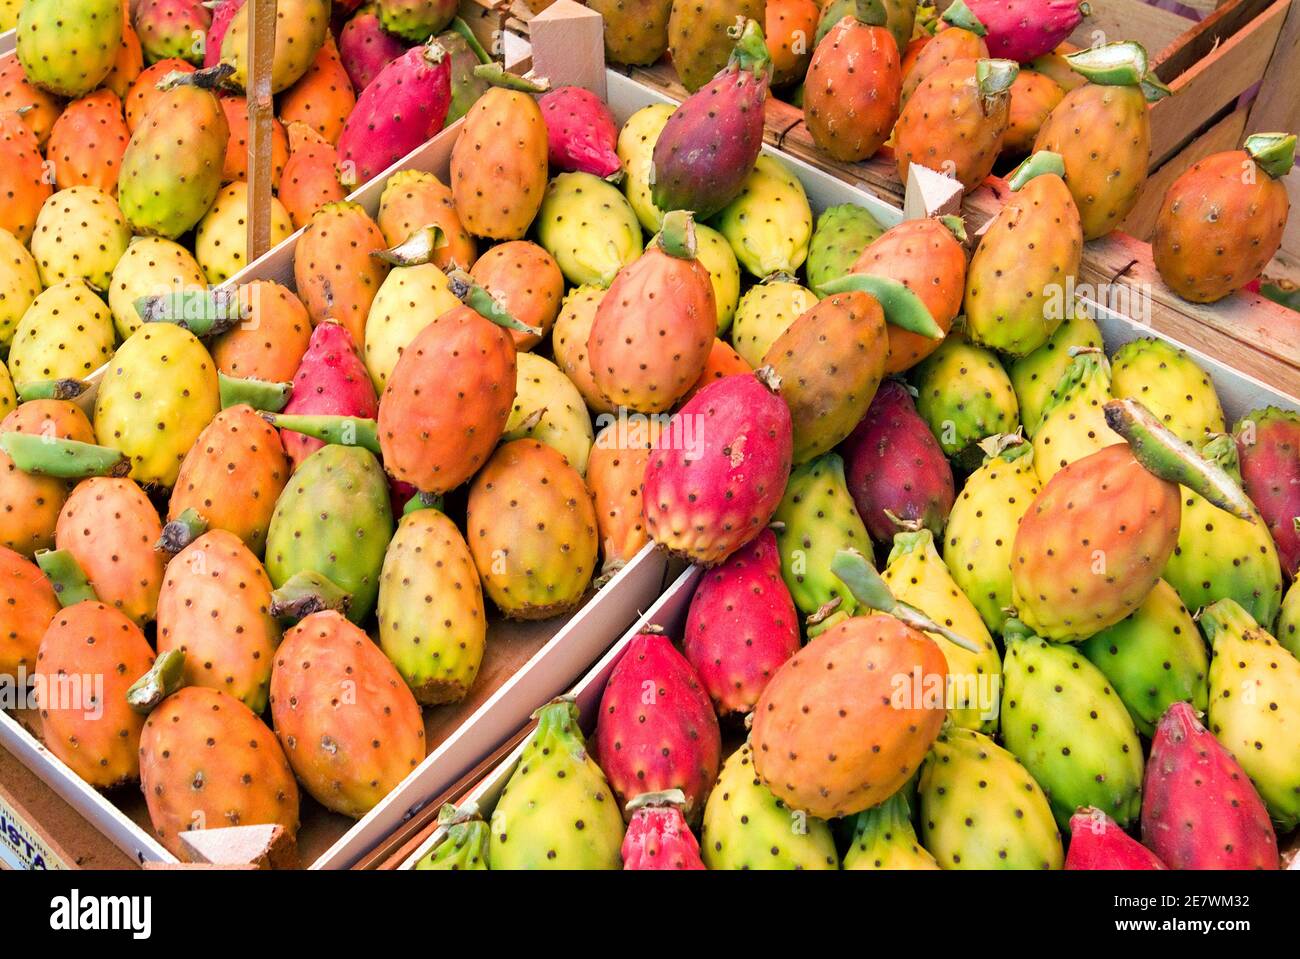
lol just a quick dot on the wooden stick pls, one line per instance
(261, 53)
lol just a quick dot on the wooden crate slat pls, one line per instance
(1277, 107)
(1200, 39)
(1112, 20)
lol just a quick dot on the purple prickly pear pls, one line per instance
(580, 132)
(1024, 29)
(331, 379)
(365, 48)
(657, 836)
(709, 144)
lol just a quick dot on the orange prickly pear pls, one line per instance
(851, 93)
(335, 267)
(235, 166)
(129, 60)
(269, 342)
(412, 200)
(790, 26)
(723, 361)
(33, 502)
(954, 120)
(614, 472)
(17, 92)
(961, 38)
(1033, 97)
(23, 182)
(526, 281)
(1221, 221)
(310, 178)
(1106, 164)
(27, 605)
(323, 98)
(87, 142)
(144, 93)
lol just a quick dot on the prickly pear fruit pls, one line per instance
(87, 142)
(413, 200)
(1073, 422)
(171, 28)
(769, 224)
(588, 226)
(1171, 385)
(614, 473)
(1267, 443)
(841, 234)
(1024, 29)
(636, 143)
(980, 808)
(37, 500)
(742, 625)
(221, 240)
(323, 99)
(27, 605)
(145, 90)
(465, 844)
(270, 342)
(526, 281)
(393, 324)
(1036, 376)
(1034, 96)
(16, 92)
(569, 343)
(789, 26)
(532, 531)
(68, 46)
(301, 27)
(310, 178)
(723, 361)
(402, 107)
(415, 20)
(1221, 221)
(636, 31)
(431, 619)
(366, 48)
(916, 575)
(20, 283)
(23, 177)
(331, 379)
(1063, 721)
(580, 132)
(700, 37)
(65, 334)
(467, 55)
(706, 497)
(93, 731)
(1200, 810)
(1288, 622)
(1153, 658)
(961, 38)
(765, 312)
(852, 90)
(80, 235)
(657, 835)
(896, 465)
(708, 146)
(336, 273)
(334, 518)
(236, 163)
(351, 729)
(563, 424)
(747, 827)
(883, 837)
(1098, 842)
(151, 266)
(965, 396)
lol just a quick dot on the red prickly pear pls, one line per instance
(657, 836)
(365, 48)
(656, 728)
(222, 14)
(1199, 809)
(400, 109)
(331, 379)
(1021, 30)
(1098, 842)
(962, 38)
(851, 94)
(717, 472)
(895, 466)
(742, 625)
(580, 132)
(709, 144)
(1268, 443)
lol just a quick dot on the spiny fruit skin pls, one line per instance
(331, 379)
(498, 165)
(927, 258)
(23, 180)
(883, 838)
(96, 734)
(525, 279)
(1169, 383)
(580, 131)
(765, 312)
(143, 92)
(406, 300)
(980, 808)
(233, 475)
(1073, 425)
(769, 224)
(951, 43)
(965, 395)
(852, 90)
(532, 531)
(465, 845)
(564, 424)
(1255, 706)
(1153, 658)
(87, 142)
(1218, 228)
(1036, 376)
(1024, 29)
(67, 332)
(636, 144)
(431, 619)
(588, 226)
(365, 47)
(415, 20)
(270, 342)
(162, 374)
(1034, 96)
(636, 31)
(16, 92)
(221, 240)
(1105, 505)
(333, 518)
(336, 276)
(658, 837)
(171, 28)
(895, 464)
(68, 46)
(402, 107)
(713, 250)
(842, 233)
(413, 199)
(110, 528)
(789, 26)
(27, 606)
(1035, 239)
(697, 36)
(916, 575)
(830, 361)
(206, 762)
(466, 86)
(1063, 721)
(31, 503)
(349, 726)
(310, 177)
(723, 361)
(656, 729)
(818, 519)
(1268, 444)
(20, 283)
(742, 625)
(447, 401)
(1098, 842)
(615, 469)
(705, 499)
(151, 266)
(747, 827)
(301, 27)
(80, 235)
(1200, 810)
(1288, 622)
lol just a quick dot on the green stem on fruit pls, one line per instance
(202, 312)
(1041, 163)
(677, 234)
(1226, 616)
(482, 302)
(1007, 447)
(1119, 64)
(961, 16)
(335, 430)
(422, 501)
(956, 226)
(1273, 152)
(497, 75)
(65, 459)
(165, 677)
(416, 249)
(995, 78)
(1164, 455)
(460, 27)
(181, 531)
(306, 593)
(1153, 88)
(750, 52)
(1221, 449)
(66, 576)
(261, 395)
(1014, 630)
(66, 389)
(902, 307)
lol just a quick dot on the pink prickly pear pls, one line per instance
(708, 146)
(580, 132)
(1199, 809)
(1098, 842)
(222, 14)
(656, 728)
(895, 465)
(1024, 29)
(402, 107)
(742, 625)
(365, 47)
(657, 836)
(331, 379)
(1268, 443)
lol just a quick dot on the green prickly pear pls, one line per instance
(746, 827)
(1073, 423)
(464, 841)
(841, 234)
(883, 838)
(66, 333)
(1072, 732)
(636, 145)
(549, 408)
(769, 225)
(765, 312)
(557, 810)
(69, 46)
(980, 808)
(1036, 376)
(1288, 621)
(1255, 706)
(1153, 658)
(589, 227)
(965, 396)
(1171, 385)
(80, 235)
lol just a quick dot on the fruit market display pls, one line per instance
(973, 591)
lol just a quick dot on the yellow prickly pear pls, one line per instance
(769, 224)
(1171, 385)
(1035, 377)
(1073, 423)
(69, 46)
(301, 27)
(883, 838)
(549, 408)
